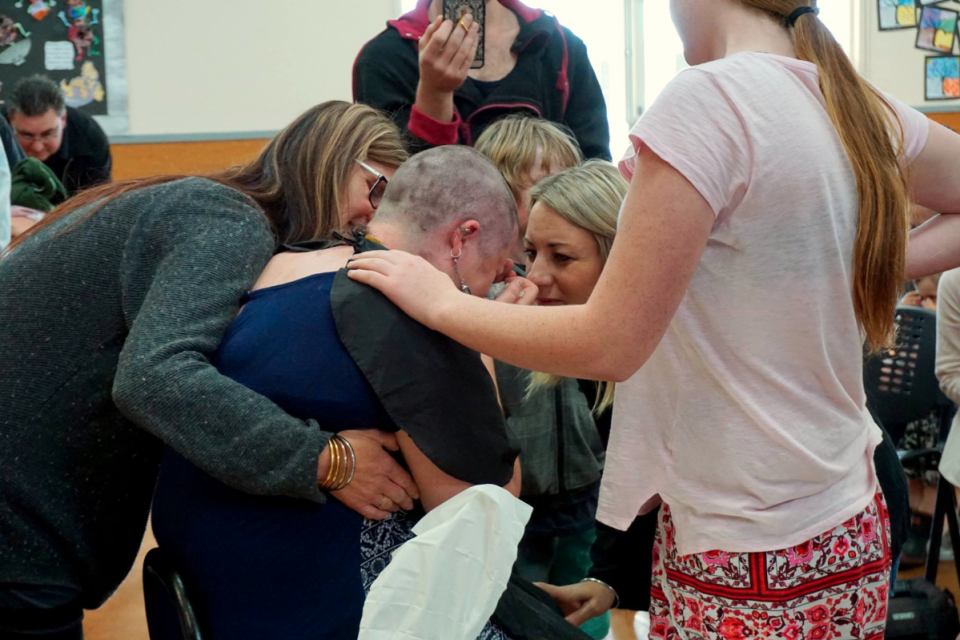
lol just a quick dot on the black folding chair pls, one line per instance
(902, 387)
(170, 616)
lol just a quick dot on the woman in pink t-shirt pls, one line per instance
(769, 161)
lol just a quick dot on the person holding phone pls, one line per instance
(769, 161)
(421, 70)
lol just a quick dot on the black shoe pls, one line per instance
(914, 552)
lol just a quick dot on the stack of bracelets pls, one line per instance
(343, 464)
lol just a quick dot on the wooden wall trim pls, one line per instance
(166, 158)
(951, 120)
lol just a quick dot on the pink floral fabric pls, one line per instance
(834, 586)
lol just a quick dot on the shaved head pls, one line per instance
(445, 186)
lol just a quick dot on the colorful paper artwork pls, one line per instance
(38, 9)
(897, 14)
(943, 78)
(80, 23)
(13, 51)
(938, 30)
(10, 31)
(85, 88)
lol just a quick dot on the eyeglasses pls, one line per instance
(376, 191)
(30, 138)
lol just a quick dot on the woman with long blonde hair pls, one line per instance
(573, 215)
(562, 424)
(109, 312)
(769, 168)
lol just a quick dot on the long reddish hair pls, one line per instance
(863, 118)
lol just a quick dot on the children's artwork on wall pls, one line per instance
(81, 21)
(64, 35)
(38, 9)
(897, 14)
(938, 30)
(943, 77)
(10, 30)
(12, 50)
(85, 88)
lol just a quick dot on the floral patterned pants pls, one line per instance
(834, 586)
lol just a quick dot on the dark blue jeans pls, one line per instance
(30, 612)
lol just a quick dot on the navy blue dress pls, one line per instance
(261, 567)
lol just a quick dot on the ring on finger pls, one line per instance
(384, 503)
(521, 294)
(466, 29)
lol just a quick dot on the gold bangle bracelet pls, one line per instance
(334, 463)
(342, 475)
(341, 465)
(353, 462)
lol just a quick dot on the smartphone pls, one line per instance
(455, 10)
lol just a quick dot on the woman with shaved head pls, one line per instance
(317, 343)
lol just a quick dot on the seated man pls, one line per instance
(316, 342)
(67, 140)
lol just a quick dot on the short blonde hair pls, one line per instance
(588, 197)
(512, 144)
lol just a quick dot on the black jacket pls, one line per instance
(553, 79)
(83, 159)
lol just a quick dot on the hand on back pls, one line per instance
(380, 485)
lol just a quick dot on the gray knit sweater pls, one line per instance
(105, 329)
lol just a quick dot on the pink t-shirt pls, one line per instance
(749, 419)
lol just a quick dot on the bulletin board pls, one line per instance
(936, 26)
(62, 39)
(77, 43)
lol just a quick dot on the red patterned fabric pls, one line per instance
(834, 586)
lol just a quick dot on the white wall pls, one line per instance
(213, 66)
(892, 62)
(234, 66)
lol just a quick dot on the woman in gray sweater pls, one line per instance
(108, 312)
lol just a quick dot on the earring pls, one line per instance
(456, 270)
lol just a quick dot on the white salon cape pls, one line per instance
(446, 583)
